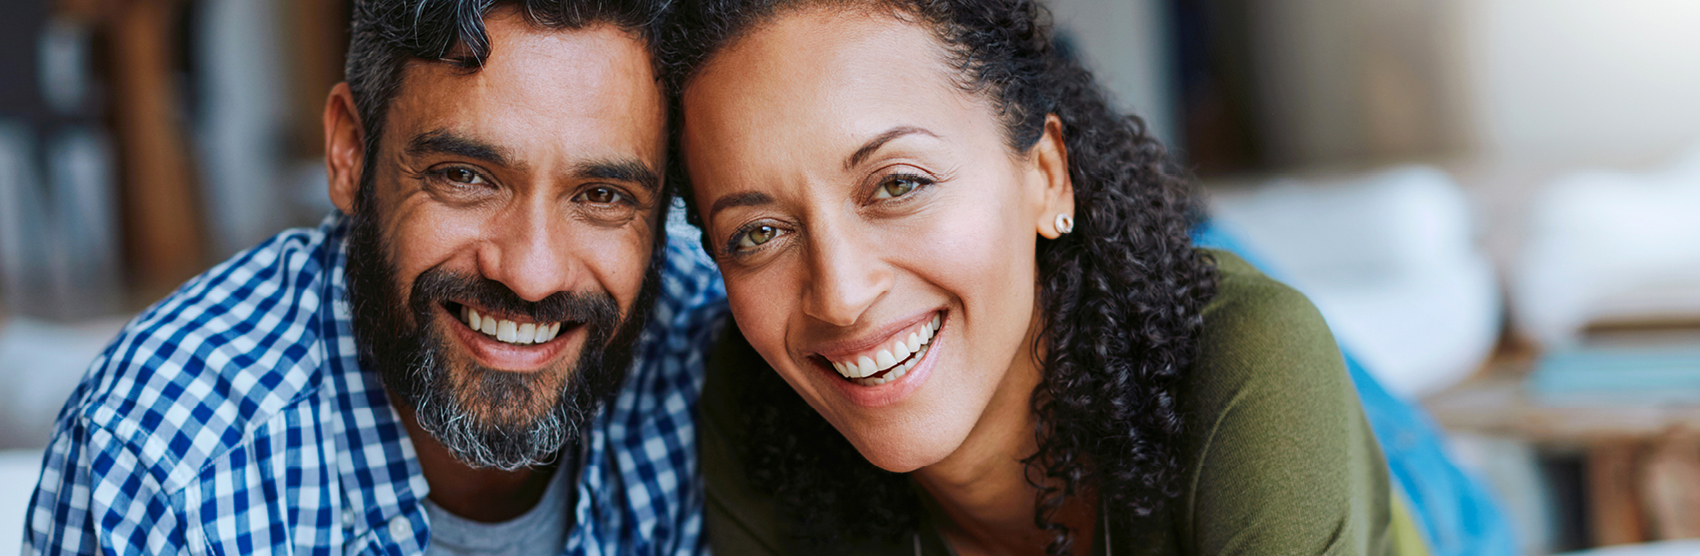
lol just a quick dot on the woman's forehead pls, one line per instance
(828, 78)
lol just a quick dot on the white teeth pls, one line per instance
(893, 374)
(509, 331)
(865, 367)
(883, 360)
(547, 332)
(894, 359)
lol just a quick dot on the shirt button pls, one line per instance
(400, 527)
(347, 518)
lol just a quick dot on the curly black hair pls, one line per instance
(1122, 296)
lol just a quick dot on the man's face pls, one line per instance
(499, 267)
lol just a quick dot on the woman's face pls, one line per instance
(876, 234)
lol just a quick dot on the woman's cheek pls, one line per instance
(762, 317)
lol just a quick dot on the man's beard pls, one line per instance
(486, 417)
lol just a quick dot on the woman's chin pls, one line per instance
(899, 464)
(913, 452)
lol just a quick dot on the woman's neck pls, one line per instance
(982, 487)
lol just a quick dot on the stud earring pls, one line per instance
(1065, 223)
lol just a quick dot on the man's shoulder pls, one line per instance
(196, 374)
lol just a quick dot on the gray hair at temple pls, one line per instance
(386, 34)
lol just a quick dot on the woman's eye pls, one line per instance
(896, 186)
(601, 195)
(758, 235)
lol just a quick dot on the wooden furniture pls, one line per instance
(1643, 460)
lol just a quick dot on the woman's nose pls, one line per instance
(847, 275)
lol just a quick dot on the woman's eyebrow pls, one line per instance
(874, 144)
(743, 199)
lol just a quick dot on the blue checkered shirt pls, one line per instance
(233, 418)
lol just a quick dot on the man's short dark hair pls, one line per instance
(386, 34)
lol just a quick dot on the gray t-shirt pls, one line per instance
(540, 531)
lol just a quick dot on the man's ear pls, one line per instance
(1050, 159)
(345, 147)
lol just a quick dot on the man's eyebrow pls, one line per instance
(744, 199)
(874, 144)
(626, 170)
(443, 141)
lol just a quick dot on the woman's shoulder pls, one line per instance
(1248, 302)
(1263, 347)
(1257, 328)
(1277, 456)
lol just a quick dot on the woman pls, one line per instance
(971, 318)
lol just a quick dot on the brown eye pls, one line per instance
(602, 195)
(463, 175)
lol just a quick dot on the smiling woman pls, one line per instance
(969, 316)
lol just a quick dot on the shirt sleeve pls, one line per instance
(95, 498)
(1284, 461)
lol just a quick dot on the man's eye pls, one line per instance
(897, 186)
(464, 176)
(758, 235)
(602, 195)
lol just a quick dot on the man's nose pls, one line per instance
(846, 277)
(530, 252)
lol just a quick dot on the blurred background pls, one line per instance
(1491, 201)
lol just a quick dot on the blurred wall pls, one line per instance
(1125, 43)
(1348, 81)
(1560, 81)
(1592, 80)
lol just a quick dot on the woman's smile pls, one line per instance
(884, 368)
(889, 356)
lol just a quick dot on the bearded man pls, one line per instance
(492, 347)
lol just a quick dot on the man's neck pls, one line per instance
(480, 494)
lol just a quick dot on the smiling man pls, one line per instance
(493, 347)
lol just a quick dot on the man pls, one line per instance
(442, 366)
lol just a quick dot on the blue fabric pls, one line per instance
(1458, 515)
(234, 418)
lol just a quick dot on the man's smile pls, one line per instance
(517, 330)
(512, 342)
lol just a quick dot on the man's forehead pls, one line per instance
(590, 88)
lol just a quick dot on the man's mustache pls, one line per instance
(437, 286)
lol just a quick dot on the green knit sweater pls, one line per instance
(1276, 455)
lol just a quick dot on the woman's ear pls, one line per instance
(345, 147)
(1056, 197)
